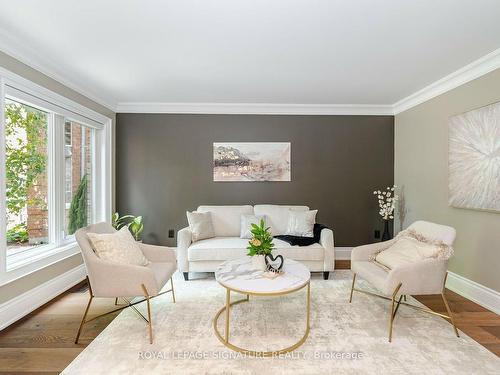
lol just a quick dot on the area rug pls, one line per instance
(344, 338)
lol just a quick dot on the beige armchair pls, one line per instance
(424, 277)
(108, 279)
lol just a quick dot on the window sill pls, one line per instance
(32, 260)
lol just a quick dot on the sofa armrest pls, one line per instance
(423, 277)
(326, 240)
(184, 239)
(109, 279)
(366, 252)
(158, 253)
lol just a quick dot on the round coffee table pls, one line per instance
(239, 276)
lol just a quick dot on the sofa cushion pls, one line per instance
(224, 248)
(200, 225)
(301, 223)
(226, 219)
(277, 216)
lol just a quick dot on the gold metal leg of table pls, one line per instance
(256, 353)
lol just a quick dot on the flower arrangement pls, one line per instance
(387, 202)
(262, 240)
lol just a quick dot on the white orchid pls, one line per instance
(387, 202)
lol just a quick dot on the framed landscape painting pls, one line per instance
(474, 159)
(252, 161)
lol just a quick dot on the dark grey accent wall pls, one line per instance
(164, 167)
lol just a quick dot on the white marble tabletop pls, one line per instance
(239, 275)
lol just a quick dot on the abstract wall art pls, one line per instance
(474, 159)
(252, 161)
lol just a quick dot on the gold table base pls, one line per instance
(255, 353)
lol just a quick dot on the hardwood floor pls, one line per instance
(43, 341)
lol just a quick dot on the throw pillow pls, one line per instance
(246, 224)
(118, 247)
(411, 247)
(301, 223)
(200, 224)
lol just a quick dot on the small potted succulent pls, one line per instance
(260, 245)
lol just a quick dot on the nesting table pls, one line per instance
(240, 277)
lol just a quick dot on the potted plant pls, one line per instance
(133, 223)
(136, 227)
(387, 202)
(260, 245)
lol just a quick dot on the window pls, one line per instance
(55, 174)
(78, 149)
(26, 162)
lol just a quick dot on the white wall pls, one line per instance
(421, 167)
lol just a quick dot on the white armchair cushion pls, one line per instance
(301, 223)
(405, 251)
(117, 247)
(246, 224)
(200, 224)
(411, 247)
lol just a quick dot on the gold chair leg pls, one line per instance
(173, 293)
(449, 313)
(448, 310)
(352, 287)
(393, 312)
(150, 322)
(85, 313)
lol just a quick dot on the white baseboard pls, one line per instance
(17, 307)
(343, 253)
(484, 296)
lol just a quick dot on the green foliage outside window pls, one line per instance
(26, 159)
(78, 208)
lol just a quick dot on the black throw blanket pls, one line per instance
(303, 241)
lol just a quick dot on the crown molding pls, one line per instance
(476, 69)
(255, 108)
(26, 55)
(30, 57)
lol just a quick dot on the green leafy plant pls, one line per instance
(136, 227)
(133, 223)
(78, 208)
(18, 234)
(262, 240)
(119, 222)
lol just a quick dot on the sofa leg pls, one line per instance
(186, 275)
(325, 275)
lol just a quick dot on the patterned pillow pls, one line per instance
(410, 247)
(301, 223)
(200, 225)
(118, 247)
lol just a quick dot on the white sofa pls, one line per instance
(206, 255)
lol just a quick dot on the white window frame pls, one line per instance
(66, 158)
(60, 109)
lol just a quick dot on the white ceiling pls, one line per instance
(249, 51)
